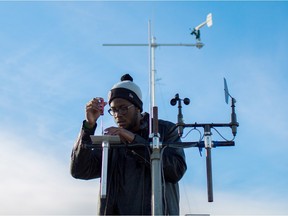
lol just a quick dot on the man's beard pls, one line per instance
(133, 123)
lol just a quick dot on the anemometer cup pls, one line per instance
(174, 100)
(186, 101)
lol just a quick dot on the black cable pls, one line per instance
(191, 131)
(223, 136)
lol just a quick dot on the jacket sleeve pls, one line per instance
(174, 164)
(85, 163)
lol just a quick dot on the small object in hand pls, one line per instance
(101, 105)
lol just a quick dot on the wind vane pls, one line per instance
(196, 30)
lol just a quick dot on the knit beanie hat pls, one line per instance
(127, 90)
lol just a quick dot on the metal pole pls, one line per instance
(156, 198)
(151, 102)
(208, 146)
(105, 148)
(156, 163)
(153, 46)
(157, 205)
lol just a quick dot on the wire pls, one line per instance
(191, 131)
(140, 156)
(200, 138)
(223, 136)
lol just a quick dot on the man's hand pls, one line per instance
(94, 108)
(125, 135)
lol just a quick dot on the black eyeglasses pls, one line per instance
(121, 110)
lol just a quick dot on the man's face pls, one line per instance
(125, 114)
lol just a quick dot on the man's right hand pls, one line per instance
(94, 108)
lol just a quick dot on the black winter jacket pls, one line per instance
(129, 171)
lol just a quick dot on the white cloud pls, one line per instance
(38, 183)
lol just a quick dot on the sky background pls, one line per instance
(52, 63)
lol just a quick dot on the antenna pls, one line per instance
(156, 145)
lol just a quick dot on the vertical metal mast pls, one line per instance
(152, 71)
(151, 89)
(156, 193)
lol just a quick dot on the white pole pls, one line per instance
(103, 189)
(152, 71)
(150, 76)
(156, 199)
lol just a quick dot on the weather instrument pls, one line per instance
(196, 30)
(156, 145)
(234, 123)
(208, 143)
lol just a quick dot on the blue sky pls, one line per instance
(52, 62)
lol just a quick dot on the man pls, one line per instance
(129, 170)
